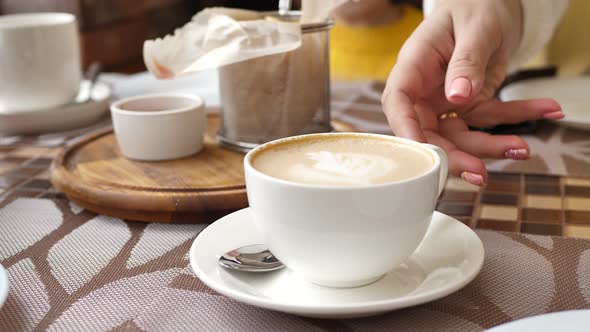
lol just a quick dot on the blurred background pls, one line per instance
(113, 31)
(363, 45)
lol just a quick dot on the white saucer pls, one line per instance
(572, 93)
(564, 321)
(3, 285)
(450, 257)
(68, 117)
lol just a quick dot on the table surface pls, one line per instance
(511, 202)
(72, 269)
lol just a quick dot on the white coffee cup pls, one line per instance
(344, 236)
(159, 126)
(39, 61)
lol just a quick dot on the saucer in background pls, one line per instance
(573, 94)
(67, 117)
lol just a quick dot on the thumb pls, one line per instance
(467, 67)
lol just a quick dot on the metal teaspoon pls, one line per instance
(251, 258)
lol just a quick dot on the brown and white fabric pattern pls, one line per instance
(71, 270)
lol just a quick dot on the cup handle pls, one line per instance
(444, 166)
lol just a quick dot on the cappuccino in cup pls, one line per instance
(343, 161)
(343, 209)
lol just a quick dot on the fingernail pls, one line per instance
(473, 178)
(460, 87)
(554, 115)
(517, 154)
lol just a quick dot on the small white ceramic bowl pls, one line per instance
(159, 126)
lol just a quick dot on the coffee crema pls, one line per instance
(342, 160)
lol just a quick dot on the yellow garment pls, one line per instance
(569, 49)
(369, 52)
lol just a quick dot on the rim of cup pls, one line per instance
(248, 161)
(33, 20)
(191, 102)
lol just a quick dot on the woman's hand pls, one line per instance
(445, 79)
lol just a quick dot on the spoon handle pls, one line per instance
(93, 71)
(90, 75)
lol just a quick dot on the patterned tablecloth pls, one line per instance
(73, 270)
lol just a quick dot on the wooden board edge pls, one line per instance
(175, 203)
(207, 217)
(144, 202)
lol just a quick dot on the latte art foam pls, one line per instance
(342, 168)
(343, 161)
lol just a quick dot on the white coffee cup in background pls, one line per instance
(39, 61)
(343, 209)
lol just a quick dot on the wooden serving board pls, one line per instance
(95, 175)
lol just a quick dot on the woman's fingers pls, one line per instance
(399, 100)
(492, 113)
(399, 109)
(475, 42)
(483, 145)
(418, 72)
(462, 164)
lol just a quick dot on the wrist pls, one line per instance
(514, 11)
(506, 17)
